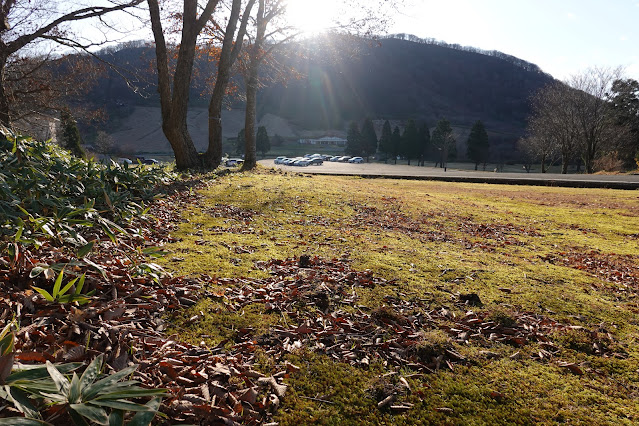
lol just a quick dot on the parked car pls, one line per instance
(302, 162)
(279, 160)
(150, 161)
(316, 161)
(232, 162)
(344, 158)
(124, 161)
(335, 158)
(356, 160)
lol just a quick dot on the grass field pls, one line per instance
(486, 304)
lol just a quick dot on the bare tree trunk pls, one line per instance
(174, 100)
(5, 118)
(231, 47)
(255, 58)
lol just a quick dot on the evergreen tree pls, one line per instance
(396, 143)
(410, 141)
(262, 141)
(385, 141)
(443, 141)
(354, 140)
(70, 134)
(425, 145)
(369, 138)
(240, 142)
(477, 144)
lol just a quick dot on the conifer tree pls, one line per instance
(262, 141)
(353, 140)
(425, 144)
(410, 141)
(477, 144)
(396, 143)
(385, 141)
(71, 139)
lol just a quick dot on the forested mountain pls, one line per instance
(400, 79)
(338, 82)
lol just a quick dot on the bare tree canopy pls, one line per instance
(577, 118)
(27, 24)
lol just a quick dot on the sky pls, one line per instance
(563, 37)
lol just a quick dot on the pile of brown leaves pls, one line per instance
(622, 270)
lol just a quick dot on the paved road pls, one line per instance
(375, 170)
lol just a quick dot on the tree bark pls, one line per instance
(174, 100)
(231, 47)
(5, 115)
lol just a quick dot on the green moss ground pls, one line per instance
(505, 243)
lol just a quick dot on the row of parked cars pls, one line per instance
(316, 160)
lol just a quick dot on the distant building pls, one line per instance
(326, 141)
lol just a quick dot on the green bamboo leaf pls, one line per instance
(85, 249)
(31, 373)
(78, 288)
(116, 418)
(78, 420)
(75, 390)
(57, 285)
(144, 418)
(61, 382)
(22, 421)
(21, 401)
(92, 413)
(132, 392)
(119, 404)
(44, 293)
(101, 385)
(66, 288)
(92, 372)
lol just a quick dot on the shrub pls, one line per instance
(46, 193)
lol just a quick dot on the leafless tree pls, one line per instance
(554, 120)
(27, 24)
(232, 42)
(577, 117)
(539, 148)
(104, 143)
(597, 125)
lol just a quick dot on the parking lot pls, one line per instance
(377, 170)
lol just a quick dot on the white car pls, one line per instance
(356, 160)
(279, 160)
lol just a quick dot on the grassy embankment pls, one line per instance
(567, 256)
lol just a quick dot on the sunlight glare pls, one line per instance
(311, 16)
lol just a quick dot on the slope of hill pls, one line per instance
(401, 79)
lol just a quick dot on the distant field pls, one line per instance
(422, 302)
